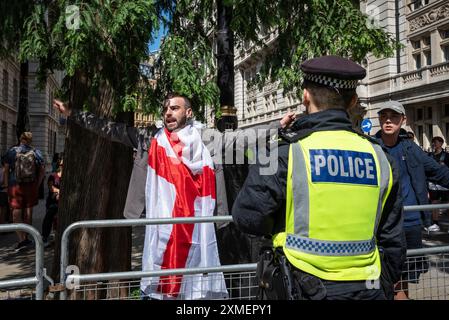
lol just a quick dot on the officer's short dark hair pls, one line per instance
(330, 97)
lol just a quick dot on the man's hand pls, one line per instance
(288, 119)
(61, 107)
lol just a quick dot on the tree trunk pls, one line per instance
(94, 186)
(23, 118)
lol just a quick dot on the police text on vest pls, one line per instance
(343, 166)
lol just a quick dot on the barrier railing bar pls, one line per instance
(427, 207)
(144, 222)
(159, 273)
(38, 279)
(22, 282)
(122, 223)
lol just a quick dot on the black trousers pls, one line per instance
(52, 210)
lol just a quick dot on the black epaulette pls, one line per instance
(291, 136)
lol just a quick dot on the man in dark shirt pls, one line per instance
(415, 169)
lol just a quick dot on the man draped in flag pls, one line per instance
(171, 177)
(180, 183)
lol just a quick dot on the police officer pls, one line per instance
(332, 208)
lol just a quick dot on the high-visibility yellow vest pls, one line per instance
(337, 185)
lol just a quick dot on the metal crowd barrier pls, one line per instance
(73, 280)
(427, 207)
(246, 271)
(38, 279)
(433, 283)
(426, 274)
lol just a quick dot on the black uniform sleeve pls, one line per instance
(390, 233)
(259, 203)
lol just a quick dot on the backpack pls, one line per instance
(26, 166)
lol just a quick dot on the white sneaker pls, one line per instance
(433, 228)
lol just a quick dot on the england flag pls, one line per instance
(181, 183)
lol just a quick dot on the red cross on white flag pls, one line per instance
(181, 183)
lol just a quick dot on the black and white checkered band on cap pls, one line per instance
(331, 82)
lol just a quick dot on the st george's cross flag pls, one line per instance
(180, 183)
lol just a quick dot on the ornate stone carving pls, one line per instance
(270, 87)
(430, 17)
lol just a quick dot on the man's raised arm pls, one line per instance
(106, 128)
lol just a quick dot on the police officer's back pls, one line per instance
(332, 205)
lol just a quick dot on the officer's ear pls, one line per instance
(306, 97)
(353, 102)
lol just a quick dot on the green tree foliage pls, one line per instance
(304, 29)
(13, 14)
(107, 41)
(308, 29)
(187, 62)
(113, 35)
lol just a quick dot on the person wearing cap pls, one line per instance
(332, 208)
(416, 168)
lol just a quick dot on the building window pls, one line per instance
(429, 113)
(267, 99)
(419, 114)
(446, 132)
(416, 4)
(430, 131)
(4, 140)
(416, 44)
(270, 102)
(54, 142)
(446, 110)
(49, 137)
(14, 135)
(426, 41)
(428, 56)
(420, 135)
(417, 58)
(15, 94)
(51, 142)
(445, 53)
(251, 108)
(444, 34)
(50, 101)
(5, 86)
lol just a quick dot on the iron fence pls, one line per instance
(38, 279)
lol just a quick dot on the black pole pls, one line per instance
(225, 63)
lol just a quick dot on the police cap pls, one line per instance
(333, 71)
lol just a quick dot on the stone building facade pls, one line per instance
(47, 126)
(417, 75)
